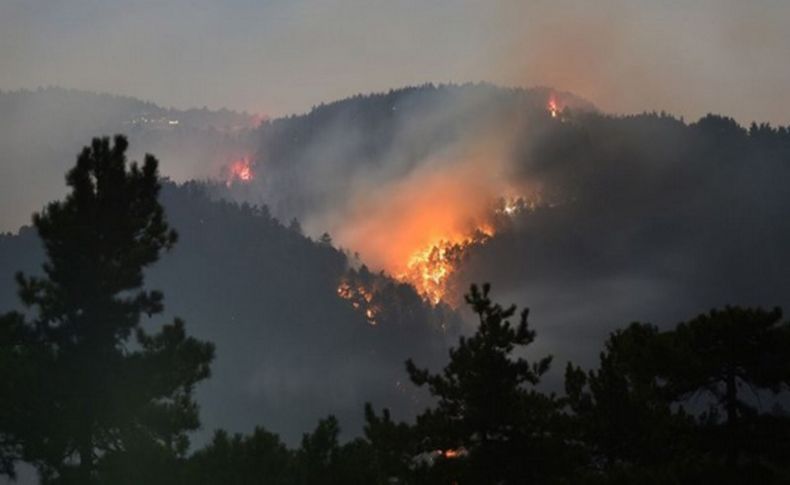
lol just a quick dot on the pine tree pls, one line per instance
(725, 353)
(391, 443)
(622, 414)
(88, 389)
(490, 423)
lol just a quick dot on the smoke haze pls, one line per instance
(648, 217)
(278, 57)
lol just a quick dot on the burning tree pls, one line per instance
(85, 389)
(429, 269)
(239, 171)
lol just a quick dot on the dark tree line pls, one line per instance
(685, 405)
(89, 393)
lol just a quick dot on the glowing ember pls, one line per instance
(511, 206)
(449, 454)
(240, 171)
(454, 453)
(361, 299)
(553, 108)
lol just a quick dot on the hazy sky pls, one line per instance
(281, 56)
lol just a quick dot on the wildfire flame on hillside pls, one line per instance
(361, 298)
(239, 171)
(421, 228)
(454, 453)
(553, 107)
(429, 268)
(556, 108)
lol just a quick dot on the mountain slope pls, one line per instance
(627, 217)
(289, 350)
(41, 132)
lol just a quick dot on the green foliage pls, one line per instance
(88, 390)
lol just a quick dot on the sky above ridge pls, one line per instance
(277, 57)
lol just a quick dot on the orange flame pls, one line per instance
(429, 268)
(553, 107)
(452, 453)
(240, 171)
(421, 227)
(361, 299)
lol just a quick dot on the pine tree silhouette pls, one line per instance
(89, 390)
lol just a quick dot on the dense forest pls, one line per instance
(41, 130)
(276, 355)
(643, 218)
(90, 395)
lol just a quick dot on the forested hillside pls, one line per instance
(591, 220)
(42, 130)
(646, 216)
(288, 350)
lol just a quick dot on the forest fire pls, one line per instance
(239, 171)
(434, 245)
(553, 107)
(427, 242)
(429, 268)
(454, 453)
(421, 229)
(361, 299)
(510, 206)
(428, 271)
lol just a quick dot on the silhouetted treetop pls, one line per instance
(86, 400)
